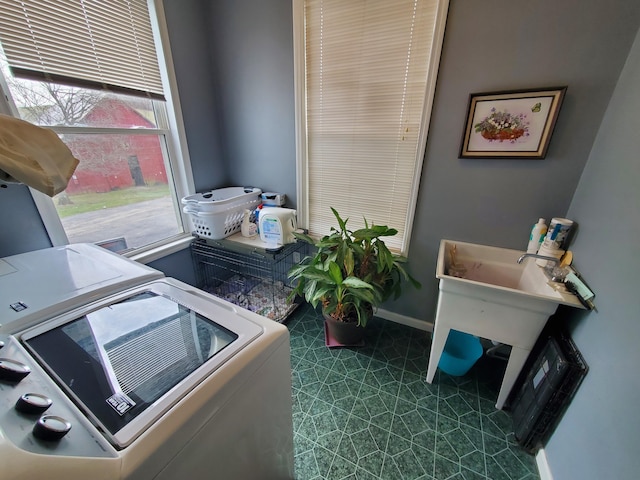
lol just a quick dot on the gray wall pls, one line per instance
(490, 45)
(179, 266)
(252, 44)
(189, 36)
(21, 229)
(501, 45)
(598, 437)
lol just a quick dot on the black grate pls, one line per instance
(547, 390)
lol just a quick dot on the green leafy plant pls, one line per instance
(351, 272)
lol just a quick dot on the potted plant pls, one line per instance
(350, 274)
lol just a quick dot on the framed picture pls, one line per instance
(513, 124)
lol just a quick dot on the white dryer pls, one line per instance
(156, 381)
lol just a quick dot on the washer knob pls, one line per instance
(31, 403)
(12, 370)
(51, 428)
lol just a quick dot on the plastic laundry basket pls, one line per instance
(218, 213)
(460, 353)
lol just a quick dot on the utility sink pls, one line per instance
(495, 298)
(493, 273)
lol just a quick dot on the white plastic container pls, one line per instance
(548, 249)
(248, 228)
(218, 213)
(538, 232)
(273, 199)
(559, 229)
(277, 225)
(220, 199)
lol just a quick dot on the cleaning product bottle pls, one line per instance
(248, 228)
(257, 214)
(538, 232)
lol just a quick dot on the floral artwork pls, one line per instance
(511, 124)
(503, 126)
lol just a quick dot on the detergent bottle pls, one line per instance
(277, 225)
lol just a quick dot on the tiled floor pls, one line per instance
(367, 413)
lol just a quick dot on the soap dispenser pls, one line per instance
(538, 232)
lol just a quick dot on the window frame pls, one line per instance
(302, 170)
(179, 173)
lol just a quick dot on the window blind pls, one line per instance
(367, 63)
(86, 43)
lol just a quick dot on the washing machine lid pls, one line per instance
(40, 284)
(128, 359)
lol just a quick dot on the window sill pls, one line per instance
(172, 245)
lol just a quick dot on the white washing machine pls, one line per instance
(43, 283)
(157, 380)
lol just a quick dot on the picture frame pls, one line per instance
(511, 124)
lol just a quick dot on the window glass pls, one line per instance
(122, 194)
(51, 104)
(120, 191)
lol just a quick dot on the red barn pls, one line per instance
(110, 162)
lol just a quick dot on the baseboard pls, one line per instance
(404, 320)
(543, 466)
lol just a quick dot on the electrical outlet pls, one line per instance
(296, 257)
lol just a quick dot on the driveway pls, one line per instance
(139, 223)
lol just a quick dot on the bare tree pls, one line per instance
(52, 104)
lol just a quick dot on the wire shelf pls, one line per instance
(250, 277)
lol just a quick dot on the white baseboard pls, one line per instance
(404, 320)
(543, 466)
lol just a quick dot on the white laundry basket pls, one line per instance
(218, 213)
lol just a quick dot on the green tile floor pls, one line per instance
(367, 413)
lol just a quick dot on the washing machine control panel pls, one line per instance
(36, 416)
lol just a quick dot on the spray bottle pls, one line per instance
(248, 228)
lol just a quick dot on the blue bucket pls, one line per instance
(460, 353)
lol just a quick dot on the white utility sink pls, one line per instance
(498, 299)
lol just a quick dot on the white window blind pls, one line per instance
(86, 43)
(367, 74)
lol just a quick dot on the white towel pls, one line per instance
(34, 156)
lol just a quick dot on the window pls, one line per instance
(365, 78)
(104, 92)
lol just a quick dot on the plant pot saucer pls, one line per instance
(332, 342)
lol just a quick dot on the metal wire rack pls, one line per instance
(250, 277)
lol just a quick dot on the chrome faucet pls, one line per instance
(555, 260)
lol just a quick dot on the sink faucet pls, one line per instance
(555, 260)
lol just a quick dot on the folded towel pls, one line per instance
(34, 156)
